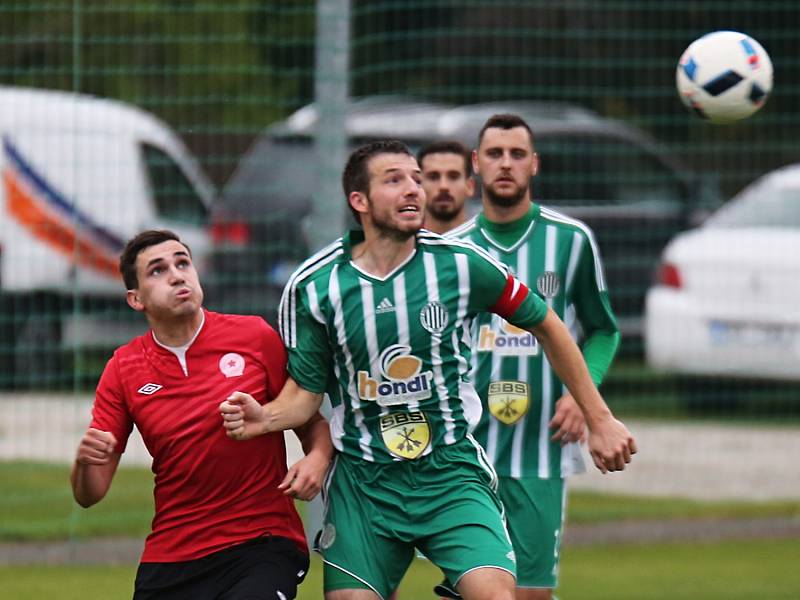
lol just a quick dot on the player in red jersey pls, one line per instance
(225, 521)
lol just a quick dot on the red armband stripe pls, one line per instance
(513, 295)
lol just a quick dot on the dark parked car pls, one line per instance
(607, 173)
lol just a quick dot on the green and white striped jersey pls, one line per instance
(393, 353)
(557, 257)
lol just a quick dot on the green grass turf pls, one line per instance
(731, 570)
(36, 504)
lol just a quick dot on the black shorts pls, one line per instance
(267, 567)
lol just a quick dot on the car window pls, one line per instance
(763, 205)
(277, 173)
(175, 196)
(603, 171)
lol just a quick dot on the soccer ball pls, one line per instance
(724, 76)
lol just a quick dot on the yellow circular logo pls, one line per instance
(508, 400)
(406, 434)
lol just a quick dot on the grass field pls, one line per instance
(36, 504)
(733, 570)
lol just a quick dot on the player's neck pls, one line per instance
(441, 227)
(506, 214)
(380, 255)
(177, 331)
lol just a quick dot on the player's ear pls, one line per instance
(359, 202)
(132, 298)
(470, 185)
(475, 168)
(534, 164)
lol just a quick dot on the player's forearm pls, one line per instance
(567, 361)
(90, 483)
(315, 437)
(599, 350)
(293, 408)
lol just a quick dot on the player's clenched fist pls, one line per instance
(241, 416)
(96, 447)
(611, 445)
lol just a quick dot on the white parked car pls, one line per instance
(727, 300)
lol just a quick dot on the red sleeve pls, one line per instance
(110, 411)
(511, 298)
(274, 361)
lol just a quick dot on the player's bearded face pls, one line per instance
(446, 184)
(396, 200)
(506, 163)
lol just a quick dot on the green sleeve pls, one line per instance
(310, 355)
(492, 292)
(588, 295)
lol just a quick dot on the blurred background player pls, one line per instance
(448, 184)
(225, 524)
(530, 423)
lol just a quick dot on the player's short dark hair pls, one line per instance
(355, 177)
(134, 247)
(447, 147)
(505, 121)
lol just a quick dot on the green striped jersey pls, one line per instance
(558, 258)
(393, 352)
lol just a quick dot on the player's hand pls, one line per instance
(241, 416)
(611, 445)
(96, 447)
(568, 421)
(305, 477)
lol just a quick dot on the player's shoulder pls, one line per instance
(466, 230)
(558, 219)
(229, 326)
(447, 243)
(435, 243)
(236, 322)
(318, 264)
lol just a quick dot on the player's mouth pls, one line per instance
(183, 293)
(409, 209)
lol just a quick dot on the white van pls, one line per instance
(80, 176)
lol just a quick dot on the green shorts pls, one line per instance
(535, 516)
(442, 504)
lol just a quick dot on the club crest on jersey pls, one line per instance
(231, 364)
(401, 381)
(434, 317)
(507, 340)
(508, 400)
(406, 434)
(548, 284)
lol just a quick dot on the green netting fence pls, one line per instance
(232, 163)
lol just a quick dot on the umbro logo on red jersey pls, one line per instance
(149, 388)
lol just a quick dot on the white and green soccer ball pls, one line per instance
(724, 76)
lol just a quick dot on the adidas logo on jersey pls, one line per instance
(385, 306)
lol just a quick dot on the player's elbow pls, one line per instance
(87, 500)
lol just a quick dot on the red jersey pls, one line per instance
(211, 492)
